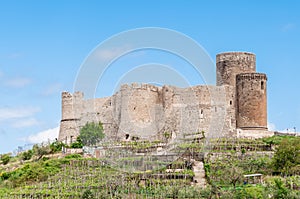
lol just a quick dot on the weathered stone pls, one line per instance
(147, 111)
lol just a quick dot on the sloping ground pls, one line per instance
(224, 164)
(84, 176)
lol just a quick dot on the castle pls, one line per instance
(235, 107)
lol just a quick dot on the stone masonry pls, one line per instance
(236, 106)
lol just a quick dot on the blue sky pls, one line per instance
(43, 44)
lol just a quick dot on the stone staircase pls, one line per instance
(199, 178)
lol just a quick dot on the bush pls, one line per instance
(287, 156)
(27, 155)
(5, 158)
(56, 146)
(78, 144)
(88, 194)
(252, 192)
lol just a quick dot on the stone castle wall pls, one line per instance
(147, 111)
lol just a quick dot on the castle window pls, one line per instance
(201, 114)
(230, 102)
(262, 86)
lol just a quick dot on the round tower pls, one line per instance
(251, 91)
(230, 64)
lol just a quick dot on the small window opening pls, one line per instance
(134, 108)
(243, 85)
(201, 114)
(127, 136)
(262, 86)
(230, 102)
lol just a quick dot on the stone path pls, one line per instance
(199, 178)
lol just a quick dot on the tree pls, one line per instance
(5, 158)
(287, 156)
(234, 174)
(40, 151)
(91, 133)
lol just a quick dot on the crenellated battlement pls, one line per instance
(252, 76)
(236, 56)
(140, 86)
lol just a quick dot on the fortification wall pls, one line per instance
(239, 101)
(147, 111)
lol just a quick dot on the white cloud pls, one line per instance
(43, 136)
(28, 122)
(52, 89)
(18, 82)
(288, 27)
(17, 112)
(271, 126)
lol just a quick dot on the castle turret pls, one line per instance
(232, 63)
(251, 91)
(68, 126)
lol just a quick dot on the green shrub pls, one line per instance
(287, 156)
(78, 144)
(88, 194)
(5, 158)
(56, 146)
(251, 192)
(27, 155)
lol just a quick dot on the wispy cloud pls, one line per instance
(52, 89)
(18, 82)
(27, 122)
(17, 112)
(112, 53)
(43, 136)
(288, 27)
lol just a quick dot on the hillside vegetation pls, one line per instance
(45, 173)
